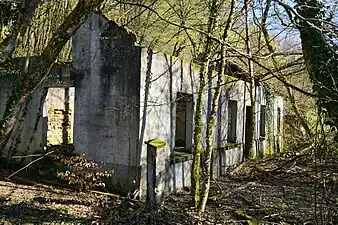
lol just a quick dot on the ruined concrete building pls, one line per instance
(116, 95)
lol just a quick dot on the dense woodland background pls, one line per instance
(288, 47)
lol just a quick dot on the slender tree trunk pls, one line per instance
(209, 144)
(250, 150)
(198, 147)
(28, 84)
(212, 117)
(291, 97)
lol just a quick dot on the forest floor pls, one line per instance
(284, 189)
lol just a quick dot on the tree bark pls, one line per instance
(198, 148)
(320, 56)
(271, 49)
(212, 117)
(209, 144)
(250, 150)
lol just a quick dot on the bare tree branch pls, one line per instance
(8, 45)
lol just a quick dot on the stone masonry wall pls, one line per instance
(59, 112)
(59, 127)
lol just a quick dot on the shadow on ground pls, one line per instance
(42, 200)
(23, 213)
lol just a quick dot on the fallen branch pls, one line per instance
(233, 191)
(292, 160)
(25, 167)
(106, 193)
(26, 156)
(215, 181)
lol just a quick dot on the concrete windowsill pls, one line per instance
(230, 146)
(181, 156)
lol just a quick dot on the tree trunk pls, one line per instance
(209, 142)
(320, 55)
(212, 117)
(250, 150)
(198, 148)
(28, 84)
(291, 97)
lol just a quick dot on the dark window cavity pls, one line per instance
(232, 121)
(184, 122)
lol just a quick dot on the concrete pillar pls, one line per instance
(153, 146)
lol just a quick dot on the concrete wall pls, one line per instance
(231, 157)
(27, 136)
(31, 129)
(107, 89)
(182, 171)
(116, 111)
(157, 118)
(230, 154)
(5, 92)
(169, 75)
(275, 136)
(234, 91)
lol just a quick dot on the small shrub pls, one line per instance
(82, 173)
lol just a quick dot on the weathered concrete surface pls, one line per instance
(232, 157)
(276, 108)
(27, 135)
(182, 175)
(239, 91)
(169, 76)
(5, 92)
(30, 130)
(61, 76)
(234, 91)
(107, 89)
